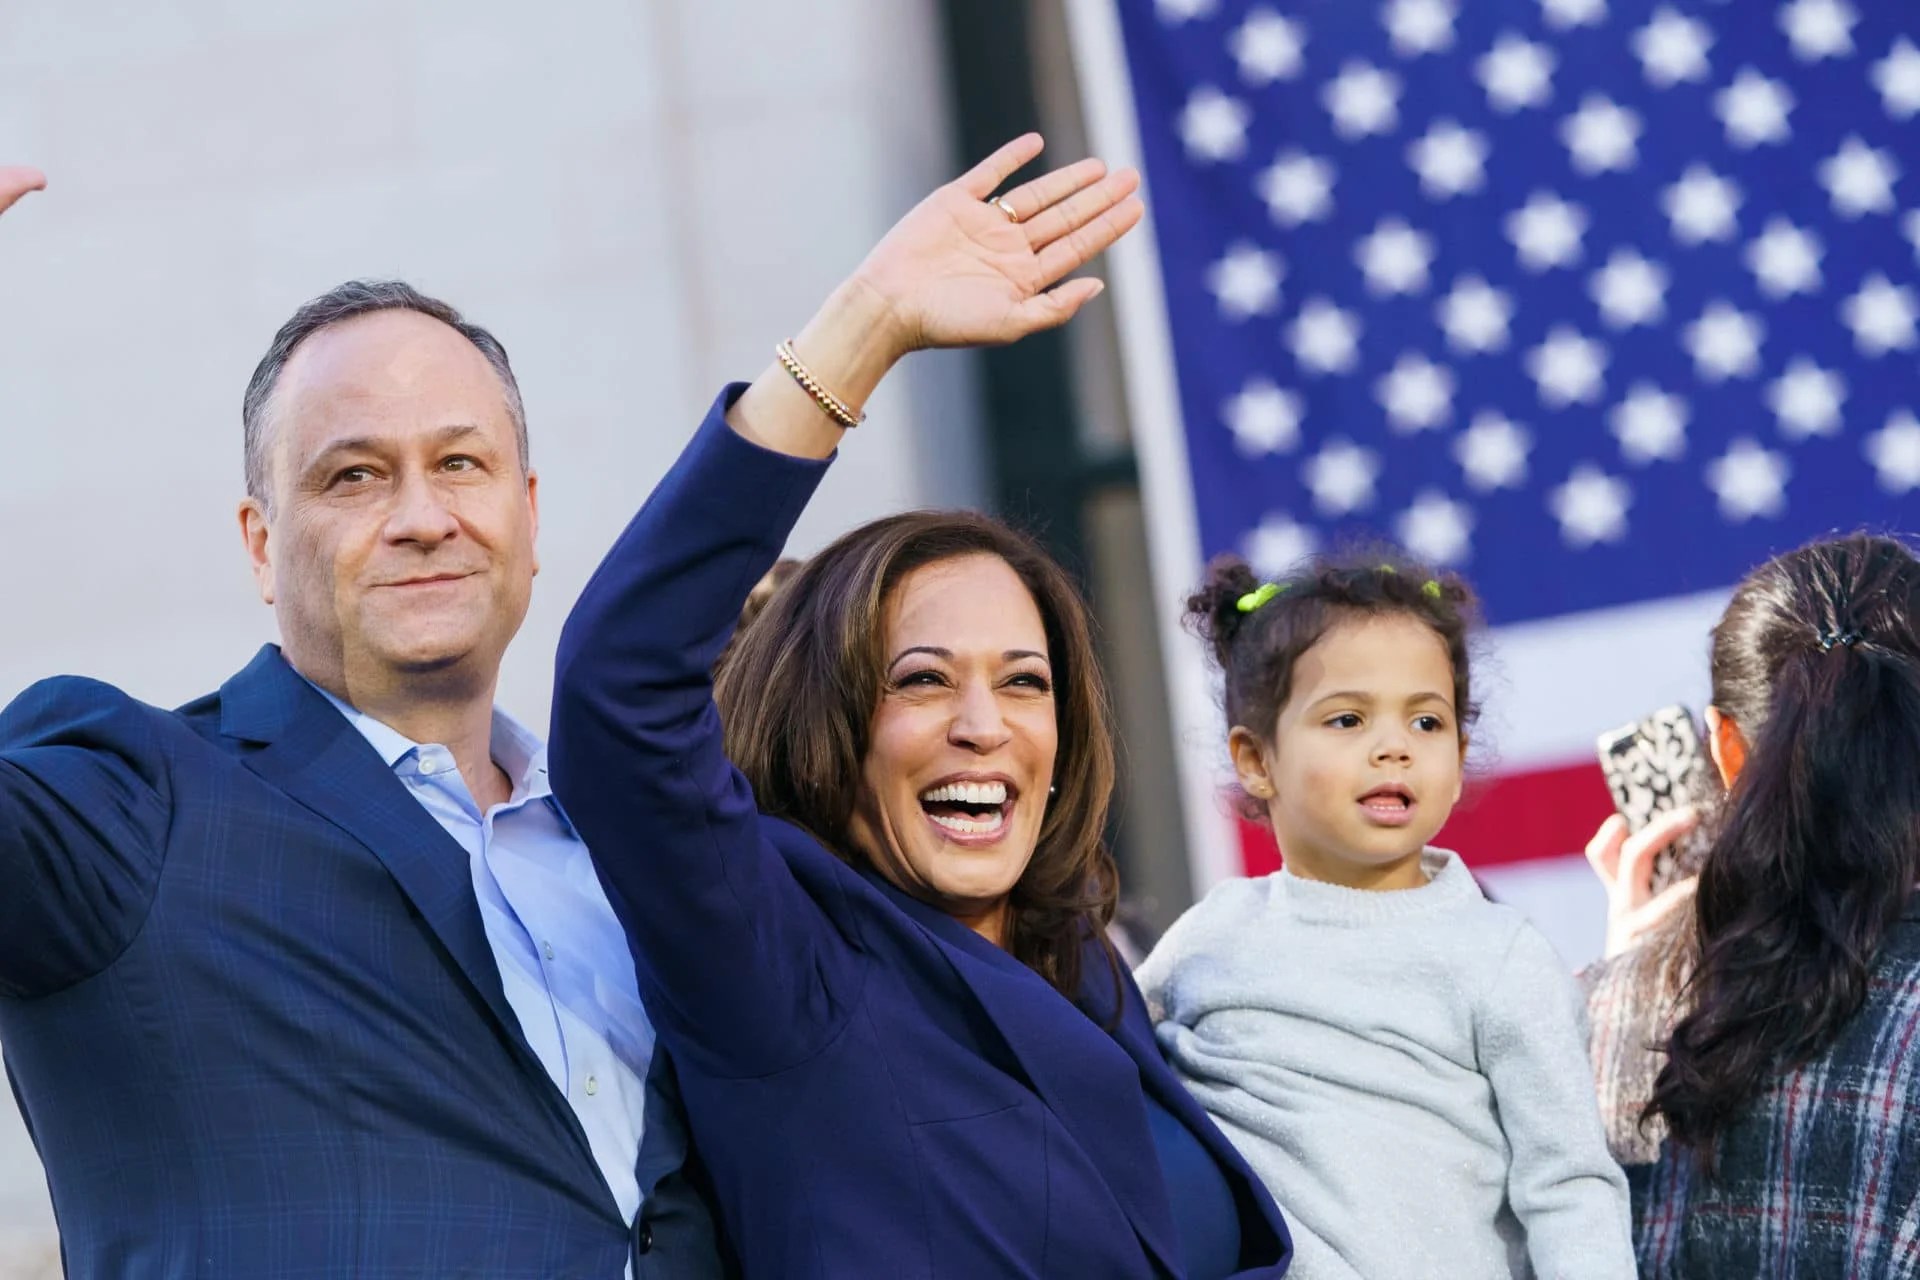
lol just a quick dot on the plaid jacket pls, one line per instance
(1821, 1178)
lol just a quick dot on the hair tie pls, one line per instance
(1845, 639)
(1258, 596)
(1431, 587)
(1387, 568)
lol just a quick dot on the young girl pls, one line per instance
(1400, 1060)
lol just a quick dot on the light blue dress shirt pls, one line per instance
(562, 953)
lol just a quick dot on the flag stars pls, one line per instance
(1416, 393)
(1419, 26)
(1724, 343)
(1591, 507)
(1450, 160)
(1629, 290)
(1601, 136)
(1859, 180)
(1819, 28)
(1894, 451)
(1897, 77)
(1475, 316)
(1213, 126)
(1749, 481)
(1277, 546)
(1264, 418)
(1246, 282)
(1566, 14)
(1701, 206)
(1650, 424)
(1546, 232)
(1785, 259)
(1341, 477)
(1175, 12)
(1436, 529)
(1882, 316)
(1395, 258)
(1268, 47)
(1753, 110)
(1324, 339)
(1672, 48)
(1516, 73)
(1362, 100)
(1568, 368)
(1806, 399)
(1298, 188)
(1492, 452)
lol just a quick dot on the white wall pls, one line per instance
(639, 196)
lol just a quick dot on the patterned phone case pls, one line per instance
(1651, 767)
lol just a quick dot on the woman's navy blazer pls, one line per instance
(876, 1090)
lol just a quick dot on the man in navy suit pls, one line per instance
(312, 976)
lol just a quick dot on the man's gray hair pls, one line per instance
(344, 302)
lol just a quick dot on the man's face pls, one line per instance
(400, 546)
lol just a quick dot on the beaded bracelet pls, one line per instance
(833, 406)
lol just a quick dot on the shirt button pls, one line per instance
(546, 949)
(593, 1085)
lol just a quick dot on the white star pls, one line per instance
(1630, 290)
(1701, 206)
(1277, 546)
(1436, 529)
(1819, 28)
(1493, 452)
(1591, 507)
(1672, 48)
(1214, 126)
(1567, 368)
(1601, 135)
(1475, 316)
(1263, 418)
(1341, 477)
(1450, 160)
(1267, 47)
(1859, 179)
(1246, 281)
(1894, 451)
(1724, 343)
(1897, 77)
(1362, 100)
(1324, 338)
(1881, 315)
(1416, 393)
(1785, 260)
(1395, 258)
(1516, 74)
(1650, 425)
(1546, 231)
(1754, 109)
(1173, 12)
(1563, 14)
(1297, 188)
(1807, 399)
(1419, 26)
(1749, 480)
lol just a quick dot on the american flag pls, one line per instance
(1600, 302)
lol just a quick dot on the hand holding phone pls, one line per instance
(1653, 767)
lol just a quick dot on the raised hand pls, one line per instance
(16, 181)
(964, 269)
(1624, 864)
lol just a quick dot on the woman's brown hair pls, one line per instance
(797, 695)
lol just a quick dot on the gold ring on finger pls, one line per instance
(1006, 206)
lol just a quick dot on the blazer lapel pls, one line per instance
(1090, 1083)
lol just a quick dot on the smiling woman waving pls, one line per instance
(864, 883)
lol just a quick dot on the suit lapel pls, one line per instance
(1090, 1083)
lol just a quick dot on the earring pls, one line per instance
(1053, 790)
(1259, 790)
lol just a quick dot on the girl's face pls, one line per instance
(1363, 763)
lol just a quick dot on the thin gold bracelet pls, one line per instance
(830, 404)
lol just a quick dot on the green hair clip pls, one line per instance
(1387, 568)
(1431, 587)
(1258, 596)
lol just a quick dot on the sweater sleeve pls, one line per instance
(1196, 932)
(1563, 1185)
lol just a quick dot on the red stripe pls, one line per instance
(1512, 817)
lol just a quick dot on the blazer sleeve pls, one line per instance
(85, 804)
(743, 969)
(1562, 1182)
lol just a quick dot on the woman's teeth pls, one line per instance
(961, 825)
(978, 793)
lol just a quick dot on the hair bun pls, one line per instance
(1213, 610)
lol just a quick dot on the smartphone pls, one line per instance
(1655, 765)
